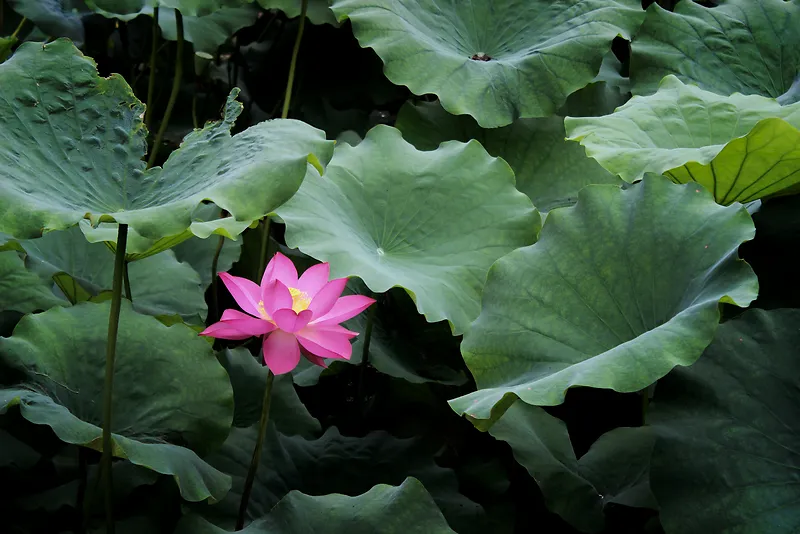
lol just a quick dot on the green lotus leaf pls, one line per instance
(20, 289)
(16, 454)
(738, 46)
(495, 60)
(208, 32)
(123, 9)
(430, 222)
(72, 145)
(548, 169)
(61, 354)
(57, 18)
(614, 470)
(249, 378)
(677, 125)
(205, 223)
(161, 285)
(729, 422)
(332, 463)
(405, 509)
(764, 162)
(318, 12)
(6, 44)
(402, 344)
(127, 477)
(618, 290)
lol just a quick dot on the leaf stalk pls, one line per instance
(108, 385)
(173, 96)
(251, 472)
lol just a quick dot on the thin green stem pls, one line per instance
(151, 84)
(251, 472)
(173, 96)
(108, 386)
(365, 349)
(262, 258)
(214, 267)
(128, 294)
(287, 99)
(19, 28)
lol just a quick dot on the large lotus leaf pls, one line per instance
(618, 290)
(57, 18)
(405, 509)
(168, 387)
(725, 459)
(249, 378)
(318, 12)
(161, 285)
(20, 289)
(495, 60)
(72, 145)
(614, 470)
(430, 222)
(680, 124)
(548, 169)
(333, 464)
(607, 92)
(739, 46)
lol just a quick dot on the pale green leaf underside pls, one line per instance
(730, 422)
(548, 169)
(20, 289)
(430, 222)
(764, 162)
(61, 354)
(541, 51)
(739, 46)
(614, 469)
(205, 224)
(73, 142)
(682, 124)
(405, 509)
(618, 290)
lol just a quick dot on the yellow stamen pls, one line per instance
(262, 311)
(300, 300)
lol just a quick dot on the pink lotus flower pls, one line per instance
(291, 313)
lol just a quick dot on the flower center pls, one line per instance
(263, 312)
(300, 300)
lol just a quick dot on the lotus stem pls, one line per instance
(173, 96)
(19, 28)
(128, 294)
(251, 472)
(214, 285)
(262, 262)
(287, 100)
(365, 348)
(151, 84)
(108, 386)
(262, 257)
